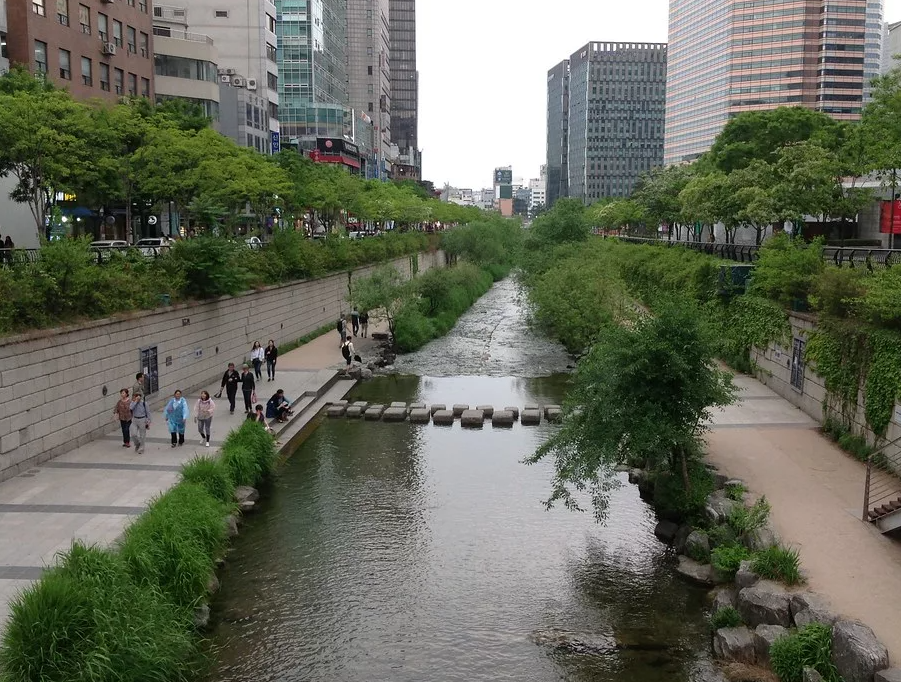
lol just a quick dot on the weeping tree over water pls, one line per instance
(642, 396)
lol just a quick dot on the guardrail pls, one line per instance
(852, 257)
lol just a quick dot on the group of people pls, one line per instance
(359, 325)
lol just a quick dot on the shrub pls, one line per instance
(173, 545)
(810, 647)
(673, 502)
(722, 535)
(210, 266)
(835, 291)
(748, 519)
(736, 492)
(778, 563)
(213, 475)
(243, 468)
(698, 553)
(788, 269)
(727, 558)
(255, 458)
(726, 617)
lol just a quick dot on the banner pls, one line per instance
(891, 220)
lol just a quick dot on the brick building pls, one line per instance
(94, 48)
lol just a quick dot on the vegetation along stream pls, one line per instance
(403, 553)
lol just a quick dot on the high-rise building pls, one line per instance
(312, 62)
(726, 58)
(91, 47)
(557, 131)
(368, 72)
(875, 31)
(244, 34)
(404, 88)
(537, 192)
(614, 118)
(4, 59)
(891, 46)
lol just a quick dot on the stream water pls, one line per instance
(403, 553)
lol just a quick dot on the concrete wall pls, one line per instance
(775, 364)
(58, 387)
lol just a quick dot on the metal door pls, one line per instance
(797, 378)
(150, 368)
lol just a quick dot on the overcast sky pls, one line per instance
(483, 68)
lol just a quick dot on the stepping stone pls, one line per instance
(472, 418)
(418, 406)
(554, 414)
(460, 409)
(395, 414)
(503, 418)
(362, 404)
(340, 403)
(403, 405)
(443, 418)
(531, 407)
(531, 417)
(548, 408)
(354, 412)
(487, 410)
(420, 416)
(335, 411)
(435, 408)
(374, 412)
(514, 411)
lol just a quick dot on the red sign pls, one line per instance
(891, 219)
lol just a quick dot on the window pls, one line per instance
(142, 6)
(117, 33)
(271, 52)
(270, 23)
(84, 17)
(104, 76)
(369, 70)
(368, 32)
(273, 111)
(37, 6)
(369, 89)
(370, 108)
(132, 85)
(86, 76)
(249, 140)
(222, 14)
(144, 44)
(131, 3)
(272, 81)
(40, 56)
(119, 79)
(145, 87)
(102, 27)
(131, 36)
(248, 108)
(369, 51)
(3, 50)
(65, 65)
(62, 12)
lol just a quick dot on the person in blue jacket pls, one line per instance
(177, 414)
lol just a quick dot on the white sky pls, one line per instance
(483, 68)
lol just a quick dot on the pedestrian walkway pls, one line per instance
(816, 492)
(94, 491)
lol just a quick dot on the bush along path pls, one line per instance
(134, 611)
(762, 618)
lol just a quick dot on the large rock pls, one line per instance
(764, 636)
(231, 525)
(636, 476)
(890, 675)
(244, 493)
(718, 507)
(443, 418)
(856, 652)
(503, 418)
(247, 506)
(420, 416)
(719, 480)
(724, 597)
(701, 574)
(735, 644)
(681, 538)
(760, 539)
(745, 575)
(365, 374)
(807, 607)
(666, 531)
(472, 419)
(697, 544)
(766, 603)
(530, 417)
(810, 675)
(212, 585)
(201, 617)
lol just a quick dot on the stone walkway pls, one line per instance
(93, 492)
(816, 492)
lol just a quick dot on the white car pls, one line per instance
(153, 246)
(105, 248)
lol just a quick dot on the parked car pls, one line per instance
(153, 246)
(105, 248)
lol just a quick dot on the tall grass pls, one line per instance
(778, 563)
(249, 454)
(810, 647)
(213, 475)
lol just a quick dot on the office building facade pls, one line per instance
(726, 58)
(404, 88)
(557, 131)
(4, 56)
(91, 47)
(891, 46)
(875, 33)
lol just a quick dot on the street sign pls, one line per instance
(275, 141)
(152, 220)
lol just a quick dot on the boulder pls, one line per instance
(889, 675)
(487, 410)
(807, 607)
(636, 476)
(760, 539)
(666, 531)
(443, 418)
(764, 636)
(681, 538)
(718, 507)
(530, 417)
(395, 414)
(735, 644)
(201, 617)
(459, 409)
(231, 525)
(472, 419)
(734, 483)
(513, 410)
(373, 413)
(435, 408)
(400, 405)
(502, 418)
(724, 597)
(856, 652)
(745, 576)
(354, 412)
(766, 603)
(365, 374)
(701, 574)
(420, 416)
(810, 675)
(336, 411)
(212, 585)
(244, 493)
(719, 481)
(354, 372)
(554, 415)
(697, 544)
(246, 506)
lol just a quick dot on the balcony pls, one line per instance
(166, 32)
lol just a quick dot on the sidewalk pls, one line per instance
(93, 492)
(816, 492)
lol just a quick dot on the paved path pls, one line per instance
(93, 492)
(816, 491)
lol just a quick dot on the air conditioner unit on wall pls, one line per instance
(231, 72)
(108, 48)
(238, 82)
(225, 79)
(251, 83)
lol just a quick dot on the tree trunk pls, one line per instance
(686, 481)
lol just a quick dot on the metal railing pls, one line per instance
(883, 482)
(852, 257)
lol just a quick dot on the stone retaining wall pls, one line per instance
(58, 387)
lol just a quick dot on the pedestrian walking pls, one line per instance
(342, 327)
(138, 386)
(364, 323)
(230, 381)
(248, 388)
(271, 354)
(347, 350)
(122, 412)
(257, 355)
(177, 414)
(355, 320)
(203, 415)
(140, 421)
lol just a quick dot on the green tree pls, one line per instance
(383, 294)
(657, 193)
(565, 222)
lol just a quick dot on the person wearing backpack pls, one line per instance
(347, 350)
(342, 328)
